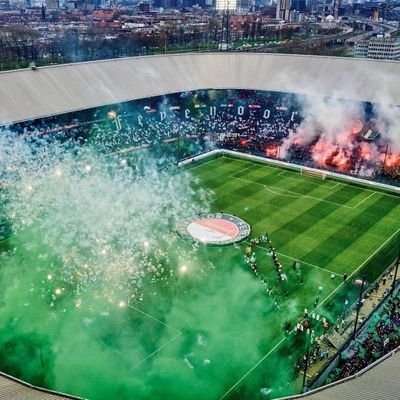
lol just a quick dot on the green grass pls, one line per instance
(331, 226)
(326, 223)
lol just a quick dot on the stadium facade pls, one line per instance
(30, 94)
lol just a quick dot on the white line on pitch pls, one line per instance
(201, 164)
(282, 194)
(258, 165)
(307, 263)
(294, 193)
(342, 182)
(251, 369)
(294, 178)
(383, 192)
(242, 170)
(362, 201)
(298, 259)
(302, 179)
(359, 267)
(6, 240)
(160, 348)
(319, 305)
(154, 319)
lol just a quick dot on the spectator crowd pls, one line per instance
(382, 336)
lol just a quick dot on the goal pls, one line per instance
(313, 172)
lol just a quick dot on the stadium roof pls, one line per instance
(28, 94)
(14, 389)
(381, 382)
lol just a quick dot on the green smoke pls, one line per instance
(94, 300)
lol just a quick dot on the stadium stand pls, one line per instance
(45, 97)
(379, 381)
(64, 89)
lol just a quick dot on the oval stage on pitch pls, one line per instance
(214, 228)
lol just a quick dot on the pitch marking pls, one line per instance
(9, 238)
(281, 194)
(159, 349)
(179, 333)
(362, 201)
(154, 319)
(319, 184)
(251, 369)
(242, 170)
(199, 165)
(295, 193)
(319, 305)
(342, 182)
(359, 267)
(307, 263)
(298, 259)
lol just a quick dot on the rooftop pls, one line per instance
(27, 94)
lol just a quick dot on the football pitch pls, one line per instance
(329, 225)
(213, 329)
(333, 228)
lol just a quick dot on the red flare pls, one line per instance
(271, 151)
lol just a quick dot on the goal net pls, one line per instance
(313, 173)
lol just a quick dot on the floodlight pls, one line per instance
(226, 5)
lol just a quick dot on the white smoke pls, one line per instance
(388, 121)
(327, 120)
(330, 129)
(106, 223)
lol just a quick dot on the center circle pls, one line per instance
(212, 230)
(217, 229)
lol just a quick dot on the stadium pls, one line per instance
(205, 226)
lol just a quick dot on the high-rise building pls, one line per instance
(145, 6)
(4, 4)
(378, 48)
(226, 5)
(283, 9)
(52, 4)
(298, 5)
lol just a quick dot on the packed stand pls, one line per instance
(383, 336)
